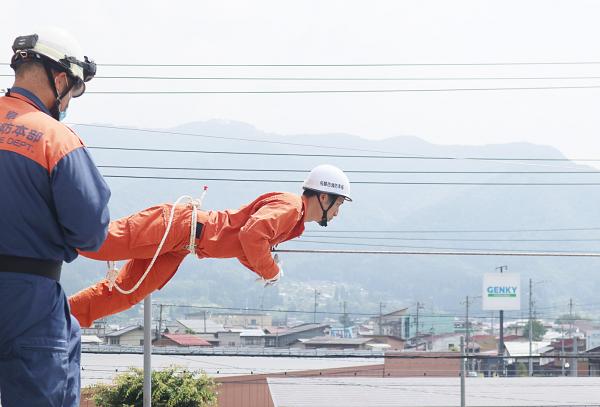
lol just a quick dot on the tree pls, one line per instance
(345, 320)
(171, 387)
(522, 369)
(538, 330)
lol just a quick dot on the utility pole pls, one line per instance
(420, 306)
(315, 312)
(147, 386)
(562, 349)
(417, 323)
(573, 366)
(158, 333)
(468, 301)
(204, 321)
(571, 316)
(530, 327)
(501, 339)
(467, 324)
(346, 324)
(381, 305)
(462, 372)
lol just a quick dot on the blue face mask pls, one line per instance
(62, 115)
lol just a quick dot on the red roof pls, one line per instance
(187, 340)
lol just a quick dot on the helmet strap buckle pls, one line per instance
(323, 221)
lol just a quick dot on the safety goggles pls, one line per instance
(89, 71)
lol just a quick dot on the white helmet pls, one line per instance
(55, 48)
(328, 179)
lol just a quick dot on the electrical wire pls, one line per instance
(328, 236)
(595, 228)
(357, 182)
(379, 64)
(412, 315)
(303, 171)
(325, 91)
(394, 157)
(482, 251)
(403, 156)
(298, 78)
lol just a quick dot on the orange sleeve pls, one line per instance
(263, 226)
(97, 301)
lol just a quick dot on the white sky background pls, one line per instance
(340, 32)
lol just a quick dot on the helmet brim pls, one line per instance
(346, 197)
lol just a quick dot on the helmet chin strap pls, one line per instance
(323, 221)
(55, 109)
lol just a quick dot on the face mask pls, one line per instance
(62, 115)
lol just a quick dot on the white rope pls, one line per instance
(113, 272)
(442, 253)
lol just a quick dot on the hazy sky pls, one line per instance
(341, 32)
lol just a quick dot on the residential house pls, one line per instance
(91, 340)
(234, 319)
(130, 336)
(557, 366)
(441, 343)
(196, 326)
(392, 342)
(344, 331)
(517, 350)
(332, 342)
(594, 361)
(229, 339)
(396, 323)
(253, 338)
(180, 340)
(99, 328)
(289, 336)
(486, 343)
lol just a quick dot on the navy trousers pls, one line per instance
(40, 344)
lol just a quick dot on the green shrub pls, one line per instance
(171, 387)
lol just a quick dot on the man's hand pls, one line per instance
(274, 280)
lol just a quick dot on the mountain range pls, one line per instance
(399, 209)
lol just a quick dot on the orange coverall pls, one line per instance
(247, 234)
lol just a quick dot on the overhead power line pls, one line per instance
(382, 64)
(407, 156)
(303, 171)
(456, 250)
(565, 229)
(180, 133)
(442, 253)
(357, 182)
(304, 78)
(308, 235)
(432, 315)
(323, 91)
(385, 157)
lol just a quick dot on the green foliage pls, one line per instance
(171, 387)
(345, 320)
(538, 330)
(522, 369)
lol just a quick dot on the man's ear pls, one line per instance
(61, 81)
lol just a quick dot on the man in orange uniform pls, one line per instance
(247, 234)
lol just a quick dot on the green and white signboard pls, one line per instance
(501, 291)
